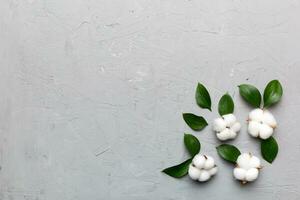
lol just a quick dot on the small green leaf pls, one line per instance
(226, 105)
(228, 152)
(180, 170)
(203, 97)
(192, 144)
(269, 149)
(250, 94)
(272, 93)
(195, 122)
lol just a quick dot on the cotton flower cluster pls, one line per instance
(226, 127)
(202, 168)
(261, 123)
(247, 168)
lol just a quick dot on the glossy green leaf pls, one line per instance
(226, 105)
(195, 122)
(273, 93)
(192, 144)
(228, 152)
(269, 149)
(203, 97)
(250, 94)
(180, 170)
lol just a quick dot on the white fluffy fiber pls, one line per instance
(261, 123)
(247, 168)
(202, 168)
(226, 127)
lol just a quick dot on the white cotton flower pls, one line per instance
(202, 168)
(194, 172)
(236, 127)
(229, 119)
(199, 161)
(247, 168)
(213, 171)
(239, 173)
(219, 124)
(209, 163)
(261, 123)
(204, 176)
(252, 174)
(226, 127)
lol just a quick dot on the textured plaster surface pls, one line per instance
(92, 91)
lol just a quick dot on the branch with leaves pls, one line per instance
(199, 167)
(261, 123)
(226, 126)
(247, 166)
(193, 146)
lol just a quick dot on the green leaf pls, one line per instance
(269, 149)
(192, 144)
(228, 152)
(273, 93)
(202, 97)
(196, 123)
(250, 94)
(180, 170)
(226, 105)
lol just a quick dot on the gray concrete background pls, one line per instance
(92, 93)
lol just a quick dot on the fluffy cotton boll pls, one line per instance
(247, 168)
(204, 176)
(213, 171)
(236, 127)
(209, 163)
(254, 162)
(243, 161)
(239, 173)
(202, 168)
(254, 128)
(194, 172)
(219, 125)
(229, 119)
(256, 114)
(224, 135)
(199, 161)
(226, 127)
(232, 134)
(261, 123)
(269, 119)
(265, 131)
(252, 174)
